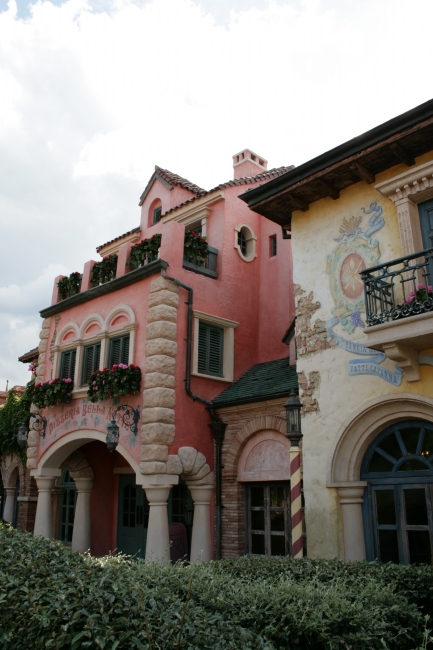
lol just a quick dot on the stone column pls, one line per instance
(201, 547)
(44, 512)
(82, 533)
(8, 510)
(158, 543)
(353, 527)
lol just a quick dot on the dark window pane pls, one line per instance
(412, 466)
(125, 519)
(419, 546)
(427, 448)
(410, 437)
(258, 544)
(257, 520)
(132, 520)
(391, 446)
(416, 507)
(277, 521)
(277, 496)
(257, 497)
(278, 545)
(385, 507)
(379, 464)
(388, 546)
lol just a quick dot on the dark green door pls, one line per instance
(181, 508)
(133, 517)
(426, 217)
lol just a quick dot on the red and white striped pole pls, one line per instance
(293, 410)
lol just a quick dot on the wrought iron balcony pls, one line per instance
(209, 267)
(399, 288)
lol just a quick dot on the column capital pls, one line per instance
(45, 483)
(10, 491)
(201, 494)
(83, 484)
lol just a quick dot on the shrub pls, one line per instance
(104, 271)
(12, 414)
(195, 247)
(69, 286)
(53, 392)
(120, 381)
(145, 250)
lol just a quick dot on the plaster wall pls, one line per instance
(336, 394)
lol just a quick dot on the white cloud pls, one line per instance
(94, 94)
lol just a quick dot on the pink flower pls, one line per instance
(430, 288)
(421, 287)
(123, 366)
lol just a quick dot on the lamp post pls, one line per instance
(293, 432)
(39, 425)
(129, 417)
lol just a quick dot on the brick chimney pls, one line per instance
(248, 163)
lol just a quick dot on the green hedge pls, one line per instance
(53, 598)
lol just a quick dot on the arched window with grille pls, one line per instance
(398, 502)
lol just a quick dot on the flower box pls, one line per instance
(104, 271)
(195, 247)
(53, 392)
(144, 251)
(69, 286)
(120, 381)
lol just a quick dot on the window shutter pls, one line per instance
(67, 364)
(91, 358)
(119, 350)
(125, 350)
(114, 351)
(210, 349)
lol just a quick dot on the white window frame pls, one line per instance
(229, 327)
(251, 243)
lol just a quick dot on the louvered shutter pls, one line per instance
(125, 350)
(67, 364)
(210, 349)
(91, 357)
(119, 350)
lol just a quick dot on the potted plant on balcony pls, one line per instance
(104, 271)
(53, 392)
(120, 381)
(196, 248)
(145, 251)
(417, 302)
(69, 286)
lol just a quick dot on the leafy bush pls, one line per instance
(53, 392)
(119, 381)
(195, 247)
(69, 286)
(145, 250)
(104, 271)
(12, 414)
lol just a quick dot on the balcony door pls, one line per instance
(426, 218)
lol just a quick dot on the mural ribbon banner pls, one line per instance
(370, 366)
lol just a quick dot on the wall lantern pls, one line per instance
(39, 424)
(129, 417)
(293, 419)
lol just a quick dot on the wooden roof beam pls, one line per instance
(402, 154)
(362, 172)
(329, 189)
(297, 202)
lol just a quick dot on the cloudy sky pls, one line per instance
(94, 94)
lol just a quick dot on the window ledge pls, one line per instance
(80, 392)
(224, 379)
(200, 269)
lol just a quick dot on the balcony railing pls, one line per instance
(209, 267)
(399, 288)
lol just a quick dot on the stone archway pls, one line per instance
(347, 453)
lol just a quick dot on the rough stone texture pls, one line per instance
(160, 363)
(154, 452)
(161, 329)
(41, 357)
(162, 312)
(187, 457)
(310, 337)
(43, 346)
(40, 370)
(152, 467)
(44, 334)
(174, 466)
(33, 439)
(307, 388)
(157, 432)
(32, 452)
(160, 396)
(199, 462)
(157, 415)
(161, 346)
(159, 379)
(204, 471)
(163, 298)
(160, 283)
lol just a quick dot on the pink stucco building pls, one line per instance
(192, 328)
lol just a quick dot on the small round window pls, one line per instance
(245, 242)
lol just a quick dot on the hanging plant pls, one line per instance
(69, 286)
(146, 250)
(53, 392)
(195, 247)
(120, 381)
(104, 271)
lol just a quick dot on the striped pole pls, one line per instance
(296, 501)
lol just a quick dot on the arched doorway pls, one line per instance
(398, 501)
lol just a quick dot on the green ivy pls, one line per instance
(12, 414)
(145, 250)
(104, 271)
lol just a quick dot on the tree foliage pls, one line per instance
(12, 414)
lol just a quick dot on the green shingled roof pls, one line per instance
(263, 381)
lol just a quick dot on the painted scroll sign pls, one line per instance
(356, 250)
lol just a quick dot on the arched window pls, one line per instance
(398, 503)
(67, 508)
(245, 242)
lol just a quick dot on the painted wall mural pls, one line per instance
(356, 251)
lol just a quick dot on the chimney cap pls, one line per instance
(250, 156)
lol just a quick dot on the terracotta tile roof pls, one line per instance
(29, 356)
(119, 237)
(175, 179)
(245, 180)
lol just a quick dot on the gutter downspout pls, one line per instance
(217, 427)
